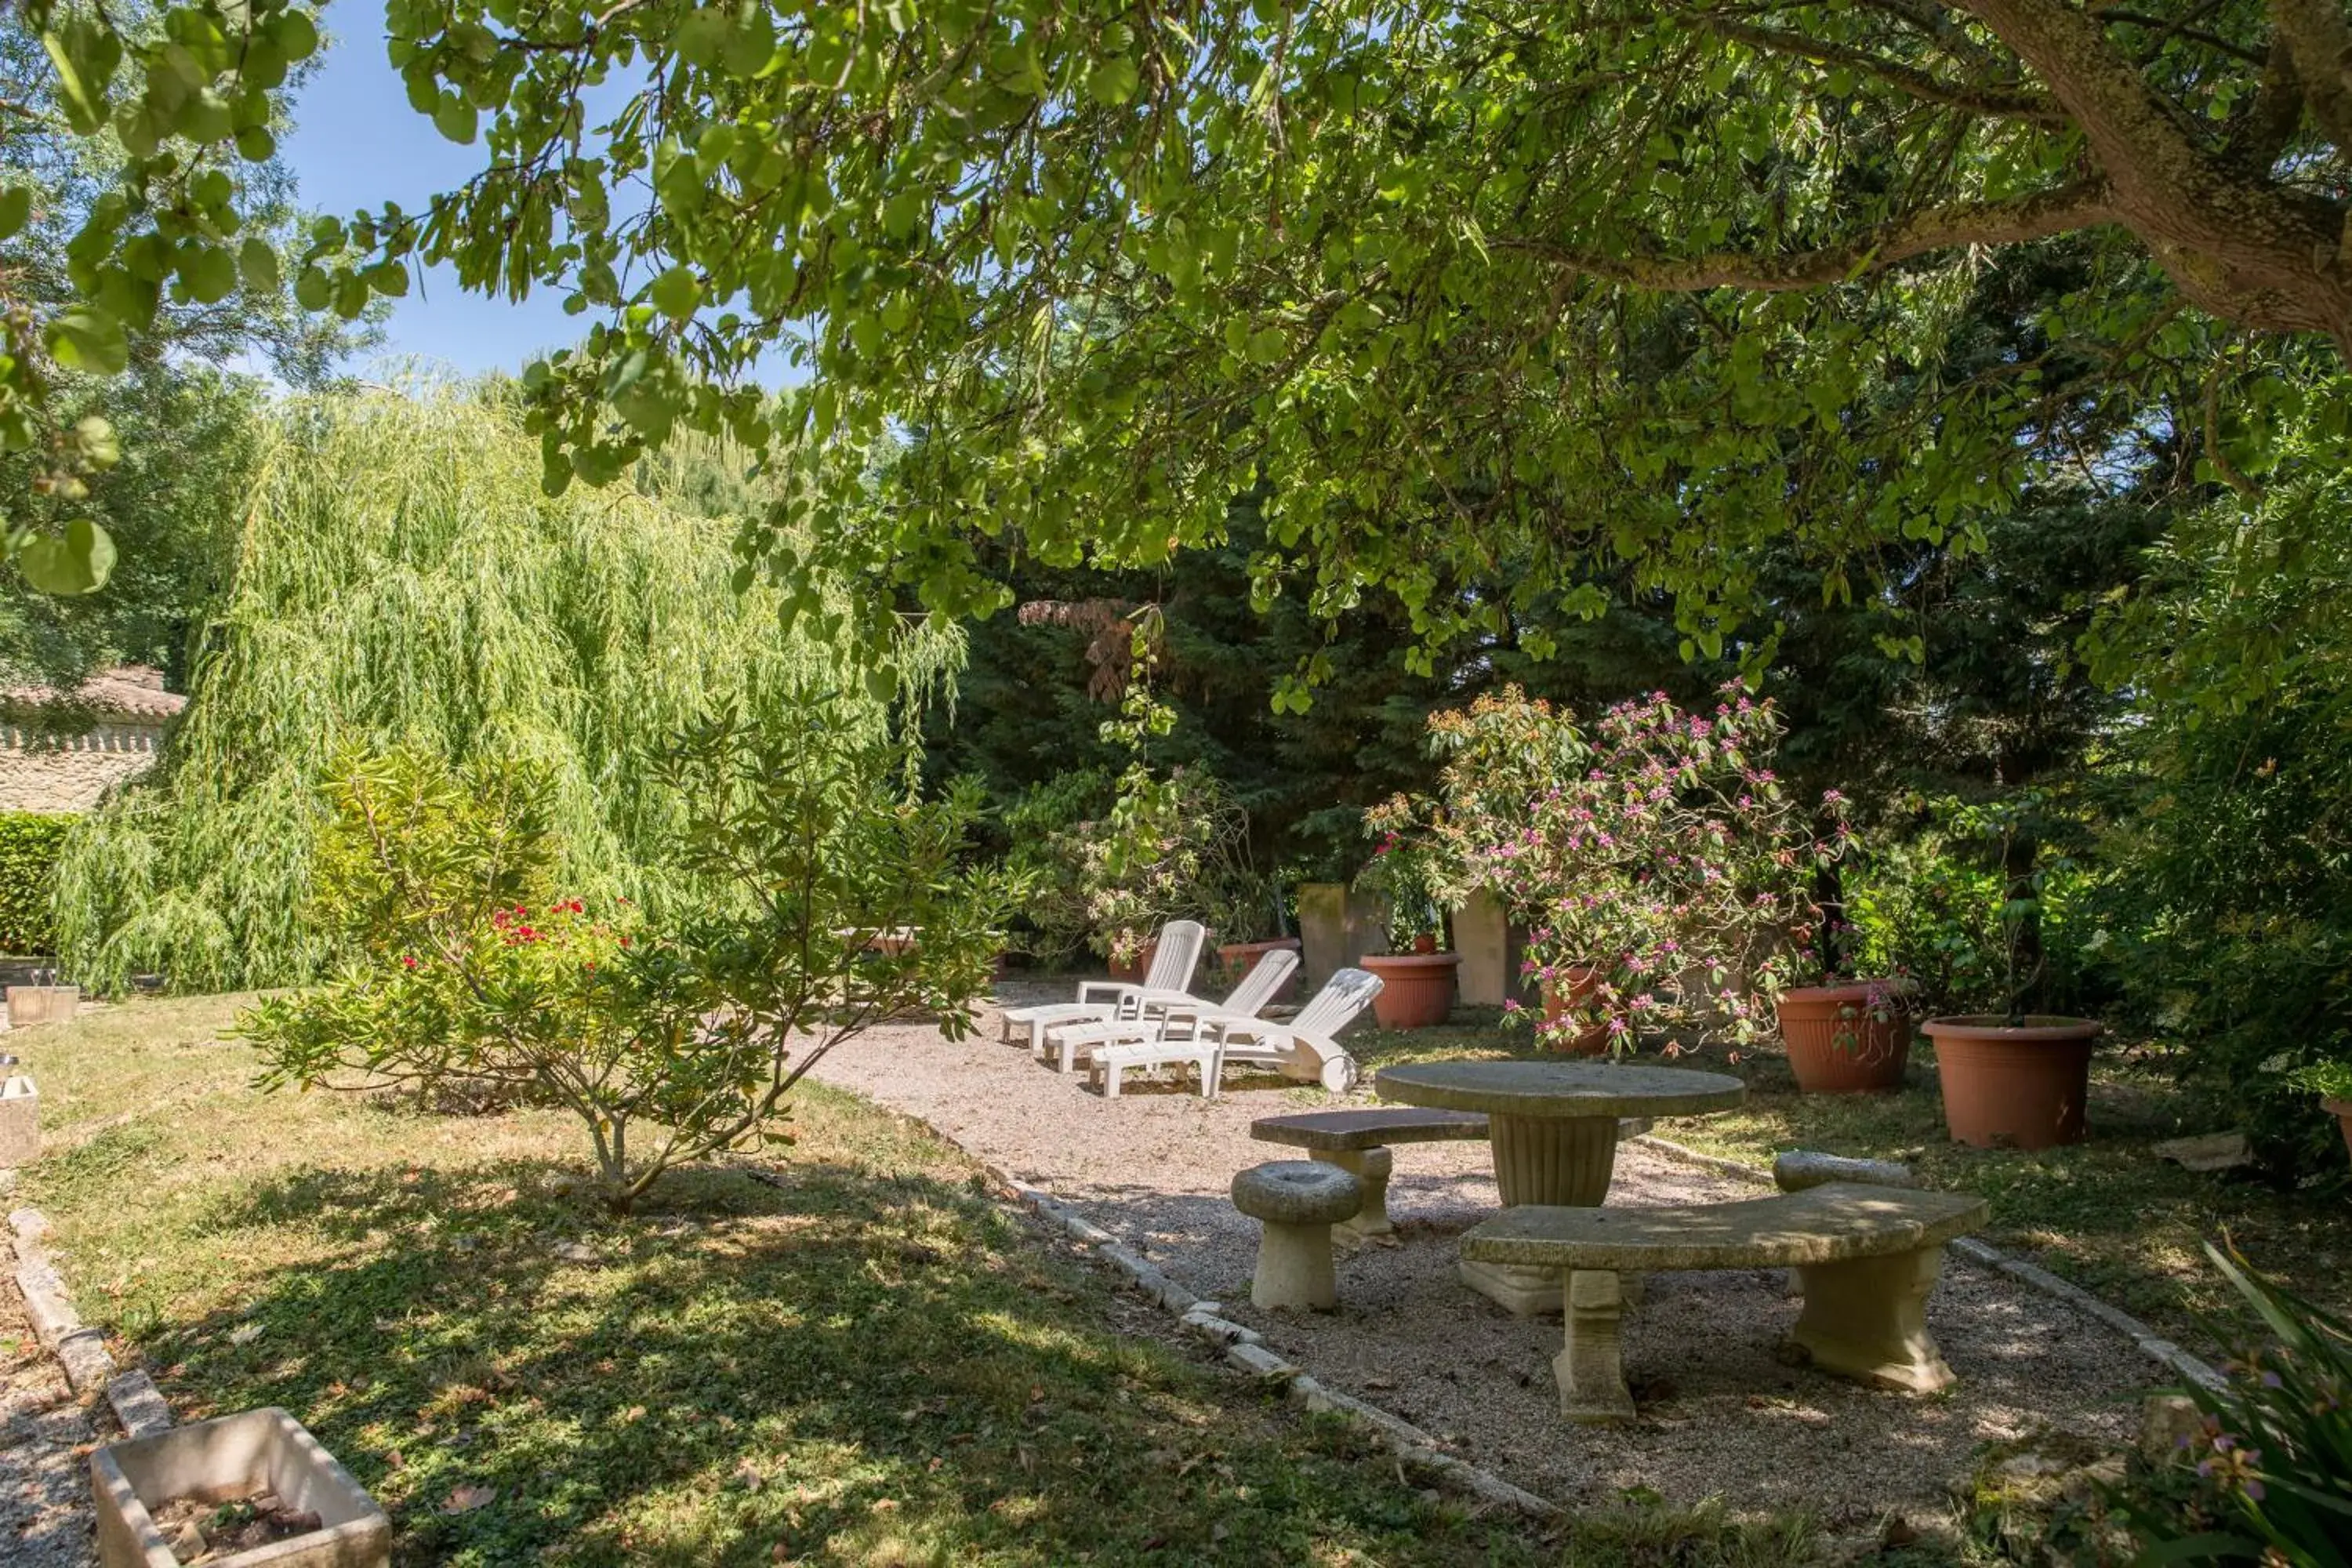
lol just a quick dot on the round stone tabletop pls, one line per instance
(1560, 1088)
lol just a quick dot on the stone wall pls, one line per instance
(69, 772)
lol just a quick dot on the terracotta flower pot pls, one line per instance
(1837, 1043)
(1416, 988)
(2021, 1088)
(2342, 1110)
(1239, 958)
(1133, 971)
(1570, 987)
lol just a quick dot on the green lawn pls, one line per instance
(2107, 1214)
(871, 1362)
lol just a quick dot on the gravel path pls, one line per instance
(45, 1435)
(1720, 1415)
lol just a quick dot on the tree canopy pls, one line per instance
(1538, 294)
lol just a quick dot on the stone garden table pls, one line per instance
(1553, 1126)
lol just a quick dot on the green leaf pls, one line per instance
(314, 288)
(296, 35)
(1114, 81)
(455, 119)
(676, 293)
(389, 278)
(75, 562)
(256, 263)
(209, 274)
(701, 38)
(16, 210)
(84, 338)
(256, 144)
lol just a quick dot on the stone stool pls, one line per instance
(1299, 1202)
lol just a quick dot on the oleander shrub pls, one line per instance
(673, 1035)
(29, 841)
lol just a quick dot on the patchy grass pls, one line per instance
(2107, 1214)
(868, 1361)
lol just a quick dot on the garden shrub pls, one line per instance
(29, 842)
(672, 1039)
(1115, 861)
(1658, 849)
(1948, 907)
(2233, 867)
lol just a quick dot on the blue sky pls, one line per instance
(357, 143)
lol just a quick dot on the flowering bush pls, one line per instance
(1407, 869)
(671, 1042)
(1171, 846)
(1663, 872)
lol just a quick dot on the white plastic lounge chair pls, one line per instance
(1101, 1000)
(1177, 1020)
(1302, 1049)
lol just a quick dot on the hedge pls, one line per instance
(29, 841)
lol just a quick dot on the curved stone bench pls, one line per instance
(1357, 1143)
(1866, 1259)
(1296, 1202)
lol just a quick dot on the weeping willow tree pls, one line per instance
(401, 578)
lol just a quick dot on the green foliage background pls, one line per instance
(29, 842)
(400, 578)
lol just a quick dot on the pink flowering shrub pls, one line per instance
(1665, 873)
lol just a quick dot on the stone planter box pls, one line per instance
(235, 1457)
(41, 1003)
(20, 1122)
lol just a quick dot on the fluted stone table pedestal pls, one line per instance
(1553, 1126)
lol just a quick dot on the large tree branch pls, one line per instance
(2267, 128)
(2061, 210)
(2321, 41)
(2246, 248)
(1999, 102)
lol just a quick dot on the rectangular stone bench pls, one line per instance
(1866, 1259)
(1357, 1141)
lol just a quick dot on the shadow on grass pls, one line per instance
(852, 1368)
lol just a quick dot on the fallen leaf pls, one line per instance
(245, 1333)
(468, 1498)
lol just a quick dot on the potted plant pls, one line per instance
(2332, 1081)
(2015, 1079)
(1253, 917)
(1844, 1033)
(1416, 978)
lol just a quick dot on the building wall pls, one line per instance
(52, 772)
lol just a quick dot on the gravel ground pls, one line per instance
(45, 1435)
(1720, 1416)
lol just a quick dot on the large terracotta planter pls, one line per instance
(1570, 987)
(1238, 958)
(1846, 1039)
(2342, 1110)
(1416, 988)
(2014, 1088)
(1133, 971)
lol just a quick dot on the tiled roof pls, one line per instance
(133, 690)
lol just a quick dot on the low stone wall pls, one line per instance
(40, 772)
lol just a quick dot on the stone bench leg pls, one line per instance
(1590, 1367)
(1868, 1320)
(1293, 1267)
(1371, 1167)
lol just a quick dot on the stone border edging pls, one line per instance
(138, 1405)
(2150, 1343)
(1244, 1348)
